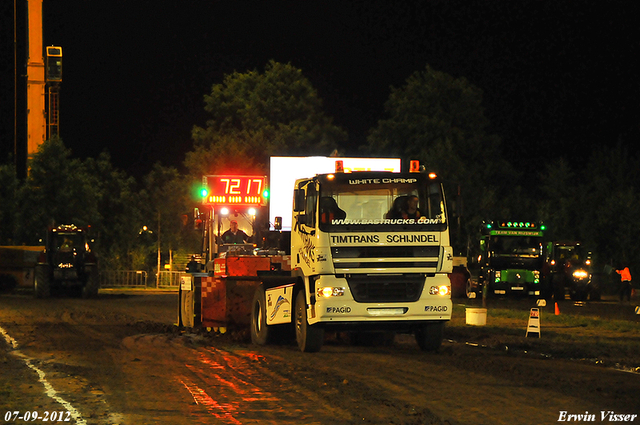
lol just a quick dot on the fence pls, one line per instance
(123, 278)
(138, 279)
(168, 279)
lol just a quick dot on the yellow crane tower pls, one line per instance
(36, 114)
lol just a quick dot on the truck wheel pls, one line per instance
(41, 283)
(187, 315)
(309, 337)
(470, 288)
(429, 336)
(91, 286)
(259, 329)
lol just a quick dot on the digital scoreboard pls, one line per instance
(234, 190)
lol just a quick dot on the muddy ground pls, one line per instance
(119, 359)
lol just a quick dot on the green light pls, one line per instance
(543, 227)
(204, 192)
(488, 225)
(265, 193)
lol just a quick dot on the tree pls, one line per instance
(120, 219)
(439, 120)
(167, 200)
(609, 205)
(92, 194)
(560, 204)
(256, 115)
(58, 190)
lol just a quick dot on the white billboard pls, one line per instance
(285, 170)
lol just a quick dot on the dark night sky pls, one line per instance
(559, 77)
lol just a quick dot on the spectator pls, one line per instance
(625, 287)
(193, 266)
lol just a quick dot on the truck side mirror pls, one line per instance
(298, 200)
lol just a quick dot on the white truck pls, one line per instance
(355, 264)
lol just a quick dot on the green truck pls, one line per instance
(512, 259)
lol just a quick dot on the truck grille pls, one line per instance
(422, 259)
(389, 288)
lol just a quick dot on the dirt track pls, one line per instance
(118, 359)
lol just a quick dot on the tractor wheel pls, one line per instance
(309, 337)
(429, 336)
(41, 282)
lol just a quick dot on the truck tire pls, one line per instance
(41, 282)
(92, 285)
(260, 332)
(187, 314)
(309, 337)
(429, 336)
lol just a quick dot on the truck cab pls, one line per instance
(512, 259)
(363, 263)
(570, 268)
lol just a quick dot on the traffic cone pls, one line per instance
(557, 310)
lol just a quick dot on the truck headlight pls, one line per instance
(580, 274)
(440, 290)
(330, 291)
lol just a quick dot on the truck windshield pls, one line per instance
(69, 241)
(571, 253)
(391, 203)
(516, 246)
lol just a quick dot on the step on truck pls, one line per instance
(360, 258)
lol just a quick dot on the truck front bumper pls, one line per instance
(343, 309)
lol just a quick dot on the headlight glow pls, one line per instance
(580, 274)
(330, 291)
(442, 290)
